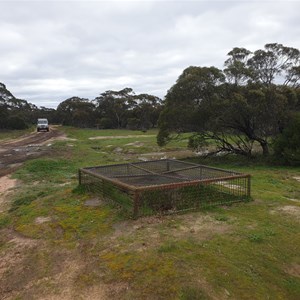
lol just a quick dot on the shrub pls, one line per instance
(133, 123)
(197, 142)
(16, 123)
(287, 144)
(106, 123)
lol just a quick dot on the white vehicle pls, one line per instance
(42, 124)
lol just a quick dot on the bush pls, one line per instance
(16, 123)
(106, 123)
(287, 144)
(133, 123)
(197, 142)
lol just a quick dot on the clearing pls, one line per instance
(59, 242)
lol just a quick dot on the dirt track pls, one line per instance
(14, 152)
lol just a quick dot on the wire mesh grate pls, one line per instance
(165, 186)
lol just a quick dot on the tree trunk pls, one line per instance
(265, 148)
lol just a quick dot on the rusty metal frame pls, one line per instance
(185, 182)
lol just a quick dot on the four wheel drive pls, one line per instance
(42, 124)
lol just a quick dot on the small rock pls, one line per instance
(93, 202)
(118, 150)
(41, 220)
(143, 159)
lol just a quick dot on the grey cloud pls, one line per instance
(53, 50)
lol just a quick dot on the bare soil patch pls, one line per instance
(6, 183)
(12, 261)
(293, 270)
(6, 186)
(136, 144)
(41, 220)
(146, 232)
(175, 154)
(294, 200)
(229, 185)
(29, 269)
(290, 210)
(111, 137)
(94, 202)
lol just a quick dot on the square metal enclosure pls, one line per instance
(165, 186)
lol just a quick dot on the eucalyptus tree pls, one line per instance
(194, 92)
(276, 64)
(236, 69)
(126, 109)
(249, 102)
(145, 112)
(265, 82)
(76, 111)
(14, 113)
(112, 107)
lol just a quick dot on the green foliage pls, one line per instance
(162, 137)
(105, 123)
(18, 114)
(112, 109)
(242, 102)
(197, 142)
(133, 123)
(287, 144)
(5, 220)
(255, 237)
(125, 109)
(195, 87)
(16, 122)
(77, 111)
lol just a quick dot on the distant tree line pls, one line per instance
(254, 100)
(250, 102)
(17, 113)
(111, 109)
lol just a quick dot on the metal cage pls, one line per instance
(165, 186)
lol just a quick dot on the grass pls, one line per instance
(243, 251)
(12, 134)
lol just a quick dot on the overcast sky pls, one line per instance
(53, 50)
